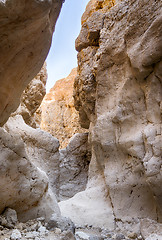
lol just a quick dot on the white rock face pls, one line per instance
(24, 186)
(26, 33)
(41, 148)
(66, 169)
(118, 93)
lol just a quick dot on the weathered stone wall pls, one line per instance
(58, 114)
(26, 33)
(24, 186)
(31, 99)
(118, 95)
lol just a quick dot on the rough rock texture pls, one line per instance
(67, 169)
(118, 94)
(23, 185)
(74, 165)
(59, 116)
(25, 32)
(35, 230)
(56, 229)
(41, 148)
(31, 99)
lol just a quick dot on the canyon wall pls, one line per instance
(31, 99)
(118, 95)
(60, 118)
(58, 114)
(34, 172)
(26, 33)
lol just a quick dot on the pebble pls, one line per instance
(81, 236)
(42, 230)
(132, 235)
(16, 235)
(57, 230)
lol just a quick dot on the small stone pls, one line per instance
(63, 223)
(140, 237)
(10, 217)
(81, 236)
(42, 230)
(57, 230)
(120, 237)
(68, 235)
(16, 235)
(132, 235)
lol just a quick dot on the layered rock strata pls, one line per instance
(58, 114)
(118, 95)
(25, 33)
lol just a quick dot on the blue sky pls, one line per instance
(62, 56)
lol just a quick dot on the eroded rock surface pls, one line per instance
(59, 116)
(41, 148)
(118, 95)
(23, 186)
(31, 99)
(74, 165)
(47, 173)
(26, 32)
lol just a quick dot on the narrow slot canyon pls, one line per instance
(81, 161)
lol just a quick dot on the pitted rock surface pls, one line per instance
(118, 94)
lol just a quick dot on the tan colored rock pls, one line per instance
(26, 33)
(118, 94)
(31, 99)
(59, 116)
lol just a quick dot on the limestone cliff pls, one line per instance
(118, 95)
(31, 99)
(59, 116)
(26, 33)
(33, 170)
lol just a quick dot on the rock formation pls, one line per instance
(34, 170)
(31, 99)
(25, 33)
(32, 167)
(23, 186)
(74, 165)
(58, 114)
(118, 96)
